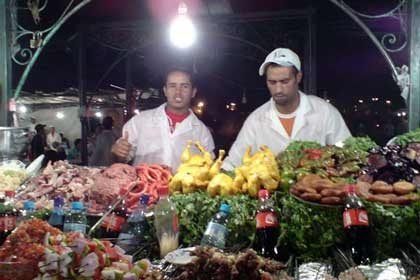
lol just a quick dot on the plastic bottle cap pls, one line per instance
(350, 189)
(29, 204)
(163, 191)
(10, 193)
(263, 194)
(58, 201)
(77, 205)
(225, 208)
(144, 199)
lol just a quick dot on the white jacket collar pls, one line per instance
(304, 105)
(304, 108)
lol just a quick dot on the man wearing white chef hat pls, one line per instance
(289, 115)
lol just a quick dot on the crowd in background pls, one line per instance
(46, 140)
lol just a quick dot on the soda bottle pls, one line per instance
(28, 211)
(356, 227)
(216, 231)
(112, 225)
(57, 216)
(135, 229)
(75, 220)
(166, 223)
(267, 227)
(7, 216)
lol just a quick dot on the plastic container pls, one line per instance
(166, 223)
(216, 231)
(76, 218)
(57, 217)
(135, 228)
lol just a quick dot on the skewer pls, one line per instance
(116, 203)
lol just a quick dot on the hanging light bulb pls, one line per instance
(182, 32)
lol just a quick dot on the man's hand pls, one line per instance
(122, 147)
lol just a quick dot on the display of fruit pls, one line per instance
(313, 188)
(195, 170)
(399, 193)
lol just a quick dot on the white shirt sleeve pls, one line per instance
(132, 127)
(244, 139)
(336, 129)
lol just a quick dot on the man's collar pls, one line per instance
(303, 108)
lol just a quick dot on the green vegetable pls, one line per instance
(359, 143)
(409, 137)
(196, 209)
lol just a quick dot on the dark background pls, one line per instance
(349, 67)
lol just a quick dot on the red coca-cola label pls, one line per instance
(266, 219)
(7, 223)
(113, 223)
(355, 217)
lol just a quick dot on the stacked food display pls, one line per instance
(308, 188)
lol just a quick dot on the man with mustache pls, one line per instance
(160, 135)
(289, 115)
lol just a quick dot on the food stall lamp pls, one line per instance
(59, 115)
(388, 101)
(328, 100)
(200, 104)
(98, 114)
(360, 101)
(182, 32)
(23, 109)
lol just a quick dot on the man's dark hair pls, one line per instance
(272, 64)
(77, 141)
(107, 123)
(185, 70)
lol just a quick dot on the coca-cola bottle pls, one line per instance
(356, 227)
(268, 230)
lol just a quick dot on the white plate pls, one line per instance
(180, 256)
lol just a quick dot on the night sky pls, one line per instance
(349, 67)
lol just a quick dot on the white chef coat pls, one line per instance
(53, 138)
(316, 120)
(149, 133)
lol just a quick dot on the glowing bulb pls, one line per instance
(200, 104)
(182, 32)
(136, 111)
(98, 114)
(59, 115)
(23, 109)
(360, 101)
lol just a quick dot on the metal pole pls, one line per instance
(5, 60)
(414, 98)
(46, 40)
(81, 71)
(128, 88)
(310, 54)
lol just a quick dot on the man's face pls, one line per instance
(283, 84)
(179, 91)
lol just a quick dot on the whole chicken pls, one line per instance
(195, 170)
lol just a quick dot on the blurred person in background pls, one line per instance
(52, 137)
(74, 155)
(38, 142)
(101, 155)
